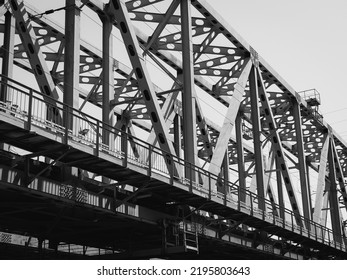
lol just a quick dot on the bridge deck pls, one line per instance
(22, 127)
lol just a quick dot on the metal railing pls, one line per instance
(74, 126)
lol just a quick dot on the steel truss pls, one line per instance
(203, 135)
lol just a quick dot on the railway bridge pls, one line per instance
(165, 135)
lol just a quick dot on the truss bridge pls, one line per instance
(151, 129)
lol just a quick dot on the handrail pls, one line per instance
(27, 103)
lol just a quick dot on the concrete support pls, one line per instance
(305, 194)
(188, 97)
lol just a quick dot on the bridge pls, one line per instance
(167, 136)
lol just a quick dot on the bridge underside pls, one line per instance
(117, 223)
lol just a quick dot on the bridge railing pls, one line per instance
(78, 128)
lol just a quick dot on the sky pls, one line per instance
(305, 43)
(303, 40)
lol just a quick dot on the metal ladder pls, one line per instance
(190, 237)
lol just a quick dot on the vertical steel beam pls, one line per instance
(177, 135)
(305, 195)
(280, 189)
(72, 58)
(7, 60)
(188, 97)
(333, 198)
(269, 164)
(225, 172)
(8, 52)
(256, 128)
(240, 158)
(107, 80)
(71, 71)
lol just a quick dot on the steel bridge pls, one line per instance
(165, 135)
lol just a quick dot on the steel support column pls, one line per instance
(305, 194)
(8, 52)
(177, 135)
(107, 81)
(280, 189)
(188, 97)
(71, 72)
(240, 158)
(72, 59)
(7, 59)
(256, 128)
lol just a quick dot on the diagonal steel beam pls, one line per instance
(119, 11)
(321, 182)
(161, 26)
(32, 48)
(229, 120)
(339, 174)
(278, 148)
(333, 199)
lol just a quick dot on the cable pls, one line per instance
(51, 11)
